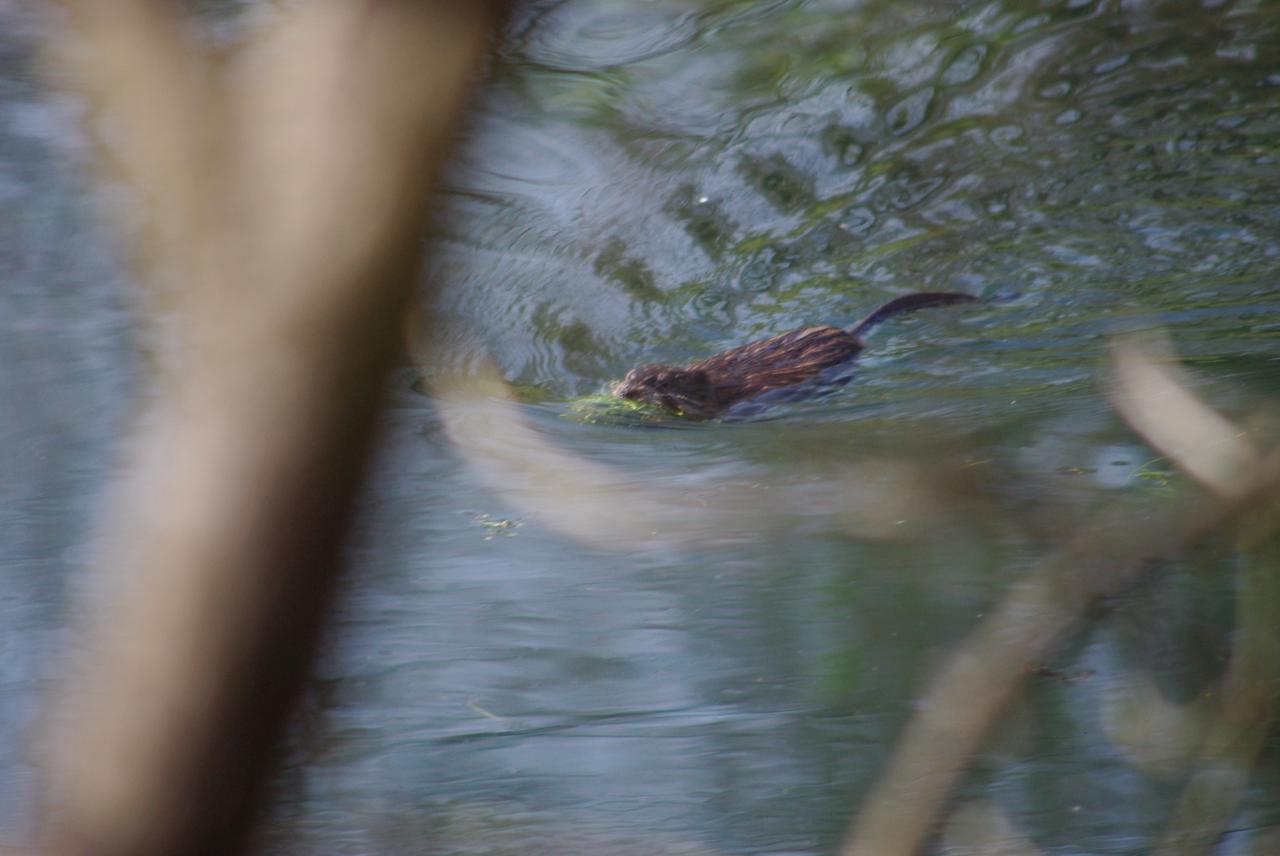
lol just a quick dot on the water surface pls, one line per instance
(657, 181)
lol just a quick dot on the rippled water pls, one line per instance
(654, 182)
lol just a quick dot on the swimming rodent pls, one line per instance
(711, 386)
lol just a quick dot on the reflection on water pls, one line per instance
(657, 181)
(767, 165)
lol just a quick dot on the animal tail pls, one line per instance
(909, 303)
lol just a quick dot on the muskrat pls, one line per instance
(711, 386)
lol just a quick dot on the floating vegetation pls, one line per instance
(495, 526)
(606, 409)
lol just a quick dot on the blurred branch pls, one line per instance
(981, 679)
(981, 828)
(1247, 709)
(1154, 734)
(281, 195)
(153, 92)
(606, 507)
(1156, 400)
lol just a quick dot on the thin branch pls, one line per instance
(980, 680)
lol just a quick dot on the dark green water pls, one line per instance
(656, 181)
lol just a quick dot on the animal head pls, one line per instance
(686, 391)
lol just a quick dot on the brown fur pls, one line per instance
(711, 386)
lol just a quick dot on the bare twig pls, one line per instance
(980, 680)
(1247, 709)
(1156, 399)
(604, 506)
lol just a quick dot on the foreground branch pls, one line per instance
(281, 241)
(979, 681)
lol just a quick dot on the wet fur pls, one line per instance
(711, 386)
